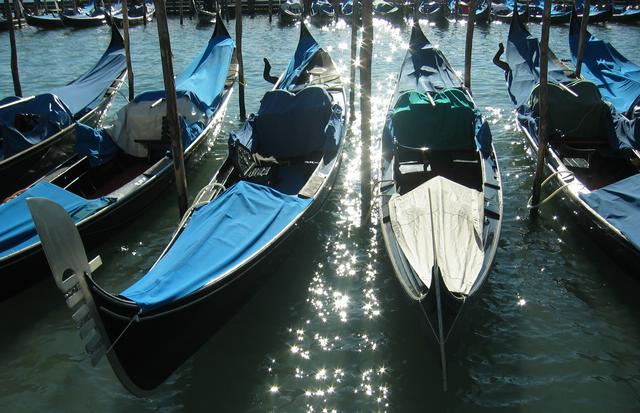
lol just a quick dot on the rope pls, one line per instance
(135, 318)
(564, 175)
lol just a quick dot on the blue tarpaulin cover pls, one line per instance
(219, 236)
(85, 92)
(617, 78)
(523, 57)
(95, 144)
(619, 204)
(48, 116)
(307, 48)
(17, 230)
(203, 80)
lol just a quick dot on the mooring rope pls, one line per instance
(135, 318)
(568, 177)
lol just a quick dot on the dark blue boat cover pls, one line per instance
(307, 48)
(203, 80)
(427, 70)
(218, 237)
(289, 126)
(17, 230)
(617, 78)
(95, 144)
(523, 57)
(42, 117)
(619, 204)
(84, 93)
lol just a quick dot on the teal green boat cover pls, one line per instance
(619, 204)
(218, 237)
(17, 230)
(449, 125)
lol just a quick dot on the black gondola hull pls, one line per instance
(44, 23)
(81, 22)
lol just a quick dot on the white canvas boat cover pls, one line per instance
(141, 121)
(457, 219)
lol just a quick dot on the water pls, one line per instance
(556, 329)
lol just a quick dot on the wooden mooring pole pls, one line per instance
(180, 4)
(583, 35)
(127, 47)
(17, 89)
(270, 10)
(366, 54)
(354, 57)
(144, 10)
(173, 124)
(243, 112)
(16, 11)
(542, 107)
(471, 20)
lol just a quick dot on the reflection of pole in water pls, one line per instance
(354, 53)
(471, 19)
(366, 53)
(543, 108)
(17, 89)
(243, 112)
(173, 126)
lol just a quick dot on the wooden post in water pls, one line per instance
(243, 112)
(144, 11)
(127, 47)
(366, 54)
(455, 10)
(16, 11)
(542, 107)
(583, 35)
(270, 10)
(17, 89)
(181, 16)
(354, 56)
(471, 20)
(173, 124)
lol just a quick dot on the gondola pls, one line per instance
(626, 13)
(483, 10)
(118, 171)
(387, 10)
(290, 12)
(617, 78)
(559, 13)
(206, 17)
(440, 203)
(322, 11)
(137, 14)
(38, 132)
(91, 16)
(598, 13)
(503, 11)
(432, 10)
(48, 20)
(594, 165)
(280, 169)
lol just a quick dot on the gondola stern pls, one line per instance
(220, 30)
